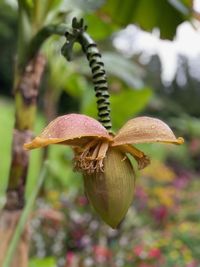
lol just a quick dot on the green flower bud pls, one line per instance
(111, 192)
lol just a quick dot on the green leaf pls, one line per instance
(123, 68)
(187, 125)
(88, 104)
(102, 28)
(46, 262)
(61, 174)
(127, 103)
(75, 85)
(53, 4)
(149, 14)
(124, 105)
(51, 10)
(26, 4)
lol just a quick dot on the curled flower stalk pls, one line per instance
(100, 155)
(89, 47)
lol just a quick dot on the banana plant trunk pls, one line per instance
(26, 87)
(29, 66)
(26, 93)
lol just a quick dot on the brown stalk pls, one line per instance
(26, 92)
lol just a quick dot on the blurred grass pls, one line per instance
(7, 121)
(46, 262)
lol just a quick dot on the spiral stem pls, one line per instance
(96, 64)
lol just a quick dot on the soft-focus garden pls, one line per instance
(46, 219)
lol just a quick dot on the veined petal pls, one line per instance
(71, 129)
(145, 130)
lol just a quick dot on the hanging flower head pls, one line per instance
(102, 158)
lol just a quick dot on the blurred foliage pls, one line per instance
(182, 94)
(8, 30)
(162, 226)
(122, 99)
(47, 262)
(163, 14)
(7, 119)
(102, 28)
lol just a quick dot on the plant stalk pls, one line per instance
(26, 93)
(19, 230)
(27, 79)
(78, 34)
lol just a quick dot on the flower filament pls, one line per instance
(89, 158)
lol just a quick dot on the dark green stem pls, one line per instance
(38, 40)
(96, 64)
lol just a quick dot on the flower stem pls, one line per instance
(42, 35)
(78, 34)
(99, 79)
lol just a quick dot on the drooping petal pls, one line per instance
(145, 130)
(71, 129)
(142, 159)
